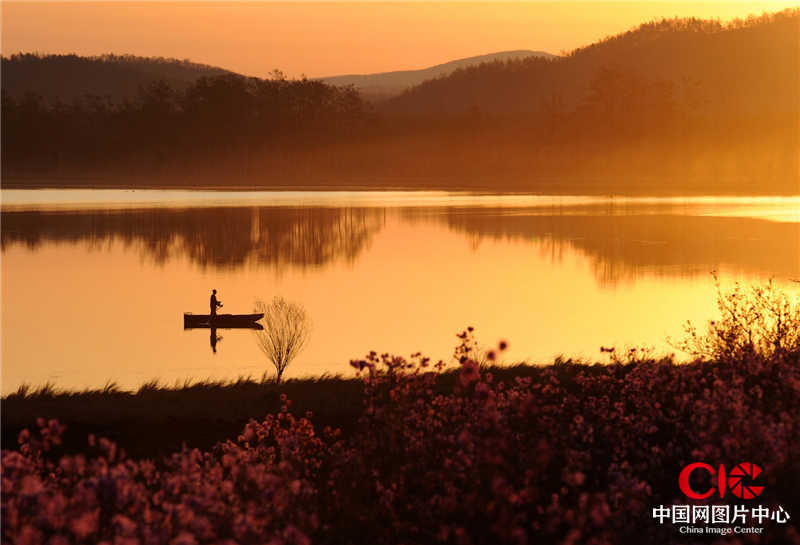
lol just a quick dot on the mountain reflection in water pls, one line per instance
(622, 246)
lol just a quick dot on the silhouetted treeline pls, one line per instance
(674, 106)
(214, 119)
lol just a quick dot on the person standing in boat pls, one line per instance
(214, 303)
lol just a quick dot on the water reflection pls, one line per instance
(621, 243)
(624, 246)
(214, 338)
(218, 237)
(199, 321)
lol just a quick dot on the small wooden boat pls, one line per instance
(222, 321)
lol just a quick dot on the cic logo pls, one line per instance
(739, 481)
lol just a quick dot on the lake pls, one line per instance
(95, 282)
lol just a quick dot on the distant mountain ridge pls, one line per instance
(119, 77)
(392, 83)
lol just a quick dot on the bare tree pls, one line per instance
(286, 331)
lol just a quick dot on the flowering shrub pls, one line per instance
(573, 454)
(760, 320)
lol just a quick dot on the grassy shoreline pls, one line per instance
(144, 422)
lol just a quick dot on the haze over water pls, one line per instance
(95, 282)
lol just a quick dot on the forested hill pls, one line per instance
(747, 66)
(386, 84)
(119, 77)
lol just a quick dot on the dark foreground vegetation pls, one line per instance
(674, 106)
(565, 453)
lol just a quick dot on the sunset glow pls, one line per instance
(435, 273)
(321, 39)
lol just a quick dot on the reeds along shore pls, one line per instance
(158, 419)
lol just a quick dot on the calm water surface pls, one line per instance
(94, 283)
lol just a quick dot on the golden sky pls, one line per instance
(328, 38)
